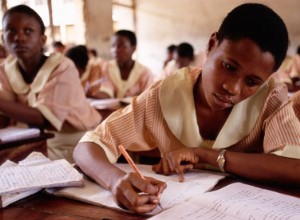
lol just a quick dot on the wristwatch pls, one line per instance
(221, 160)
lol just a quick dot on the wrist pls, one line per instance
(221, 160)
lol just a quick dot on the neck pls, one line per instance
(29, 68)
(127, 65)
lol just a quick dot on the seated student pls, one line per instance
(184, 57)
(58, 47)
(94, 58)
(89, 71)
(171, 49)
(3, 53)
(124, 76)
(295, 73)
(41, 91)
(229, 115)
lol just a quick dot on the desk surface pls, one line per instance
(41, 137)
(43, 206)
(18, 150)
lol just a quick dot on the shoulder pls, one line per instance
(277, 96)
(61, 60)
(61, 65)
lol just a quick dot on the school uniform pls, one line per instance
(57, 93)
(164, 116)
(140, 78)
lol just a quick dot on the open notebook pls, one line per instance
(32, 174)
(177, 192)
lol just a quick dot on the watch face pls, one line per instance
(221, 161)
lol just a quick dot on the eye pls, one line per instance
(28, 31)
(10, 31)
(251, 82)
(229, 67)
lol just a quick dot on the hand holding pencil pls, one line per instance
(158, 186)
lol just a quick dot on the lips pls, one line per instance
(20, 49)
(223, 101)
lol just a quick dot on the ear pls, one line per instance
(133, 48)
(43, 40)
(213, 42)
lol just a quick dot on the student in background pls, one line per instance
(58, 47)
(124, 76)
(41, 91)
(89, 71)
(295, 72)
(184, 57)
(3, 52)
(230, 115)
(94, 58)
(171, 49)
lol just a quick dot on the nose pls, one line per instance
(233, 87)
(19, 36)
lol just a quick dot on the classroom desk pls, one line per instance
(43, 206)
(18, 150)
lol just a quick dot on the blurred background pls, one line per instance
(157, 23)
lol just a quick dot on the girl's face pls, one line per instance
(22, 36)
(121, 49)
(234, 71)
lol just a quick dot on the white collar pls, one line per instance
(177, 105)
(16, 80)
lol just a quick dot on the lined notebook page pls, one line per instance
(35, 175)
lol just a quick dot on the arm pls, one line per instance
(279, 132)
(4, 121)
(22, 113)
(259, 167)
(125, 188)
(99, 95)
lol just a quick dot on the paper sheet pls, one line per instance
(236, 201)
(35, 175)
(175, 193)
(10, 134)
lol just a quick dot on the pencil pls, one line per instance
(134, 167)
(130, 161)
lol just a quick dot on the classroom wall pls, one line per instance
(163, 22)
(160, 23)
(99, 25)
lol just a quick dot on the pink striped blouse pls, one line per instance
(141, 126)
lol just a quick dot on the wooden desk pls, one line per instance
(43, 206)
(18, 150)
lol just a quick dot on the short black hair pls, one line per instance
(260, 24)
(57, 44)
(24, 9)
(79, 55)
(185, 50)
(129, 35)
(298, 50)
(171, 48)
(93, 52)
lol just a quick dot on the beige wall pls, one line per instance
(98, 18)
(162, 22)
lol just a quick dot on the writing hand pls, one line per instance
(133, 193)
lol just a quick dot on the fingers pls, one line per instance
(162, 167)
(138, 195)
(143, 204)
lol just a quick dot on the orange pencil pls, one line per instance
(134, 167)
(130, 161)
